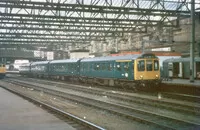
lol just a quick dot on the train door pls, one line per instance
(198, 70)
(170, 70)
(175, 70)
(180, 75)
(139, 69)
(186, 70)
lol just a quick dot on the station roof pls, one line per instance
(64, 22)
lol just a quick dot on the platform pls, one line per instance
(183, 82)
(17, 113)
(12, 72)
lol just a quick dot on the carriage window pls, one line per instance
(156, 65)
(149, 65)
(141, 65)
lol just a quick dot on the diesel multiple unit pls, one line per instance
(126, 71)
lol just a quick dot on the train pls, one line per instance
(179, 68)
(125, 71)
(2, 70)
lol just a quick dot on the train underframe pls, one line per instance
(123, 83)
(2, 75)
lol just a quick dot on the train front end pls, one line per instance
(147, 70)
(2, 70)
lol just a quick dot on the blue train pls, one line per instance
(125, 71)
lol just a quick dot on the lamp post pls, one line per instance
(192, 41)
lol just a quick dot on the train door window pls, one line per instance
(89, 66)
(81, 67)
(66, 67)
(98, 66)
(95, 67)
(141, 65)
(126, 66)
(156, 65)
(110, 67)
(103, 66)
(149, 65)
(198, 70)
(118, 65)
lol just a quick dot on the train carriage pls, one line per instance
(2, 70)
(64, 69)
(180, 68)
(121, 70)
(25, 69)
(40, 69)
(125, 71)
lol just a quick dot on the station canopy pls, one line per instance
(64, 22)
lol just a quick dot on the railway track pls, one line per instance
(160, 120)
(179, 96)
(149, 101)
(74, 121)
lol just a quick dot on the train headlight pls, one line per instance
(141, 77)
(156, 76)
(126, 74)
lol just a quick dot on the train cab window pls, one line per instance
(156, 65)
(141, 65)
(149, 65)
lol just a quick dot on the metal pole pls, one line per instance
(143, 46)
(199, 48)
(192, 41)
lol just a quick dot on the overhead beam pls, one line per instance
(89, 8)
(59, 35)
(63, 19)
(42, 42)
(71, 29)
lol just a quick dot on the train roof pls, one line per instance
(113, 58)
(110, 58)
(181, 59)
(25, 64)
(40, 62)
(64, 61)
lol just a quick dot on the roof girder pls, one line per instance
(97, 24)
